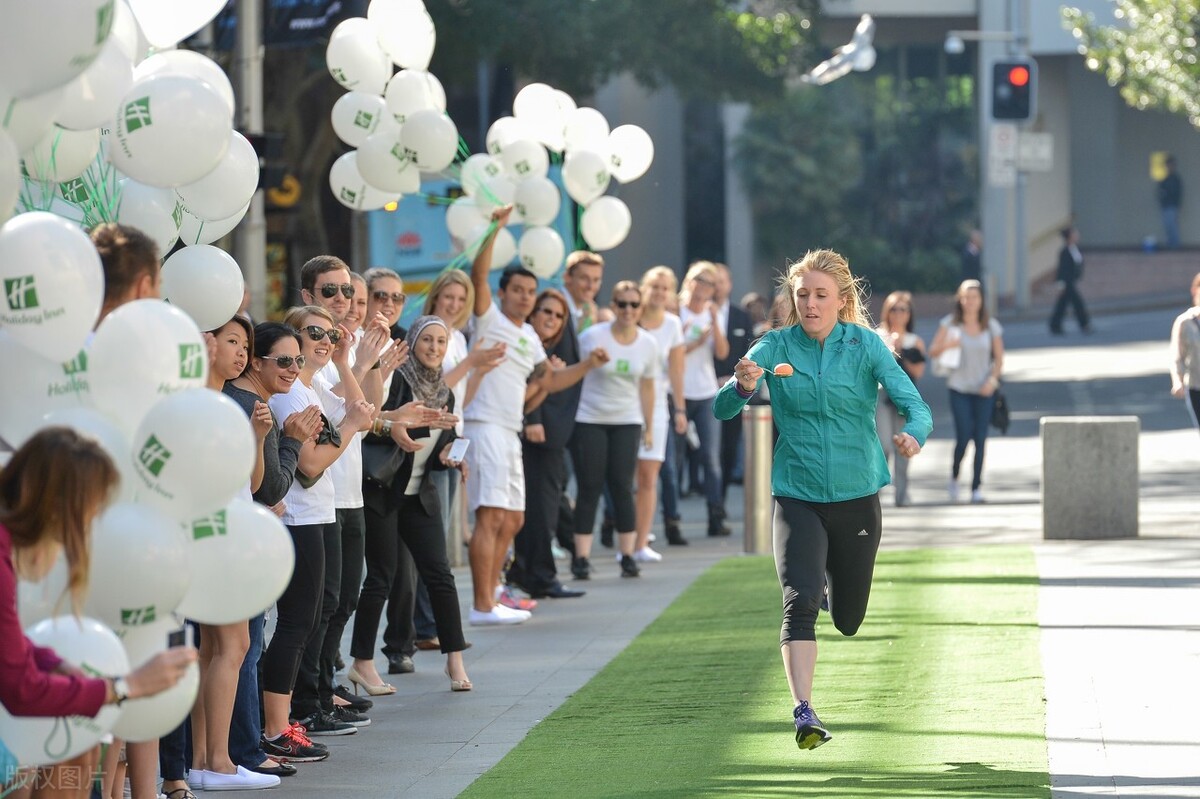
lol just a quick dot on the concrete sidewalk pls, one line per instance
(1120, 619)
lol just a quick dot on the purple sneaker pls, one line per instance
(810, 732)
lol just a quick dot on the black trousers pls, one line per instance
(307, 696)
(819, 544)
(1070, 294)
(731, 442)
(351, 526)
(533, 568)
(422, 535)
(605, 455)
(298, 610)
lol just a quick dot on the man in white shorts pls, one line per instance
(494, 417)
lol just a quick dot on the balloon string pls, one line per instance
(460, 262)
(580, 243)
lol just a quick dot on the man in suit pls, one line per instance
(739, 329)
(972, 268)
(1170, 197)
(1070, 272)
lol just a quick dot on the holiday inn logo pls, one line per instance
(137, 115)
(209, 526)
(135, 617)
(104, 21)
(21, 293)
(191, 364)
(349, 196)
(75, 191)
(363, 119)
(622, 366)
(77, 365)
(154, 455)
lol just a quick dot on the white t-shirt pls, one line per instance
(456, 353)
(667, 336)
(699, 373)
(421, 462)
(611, 393)
(500, 398)
(346, 471)
(305, 505)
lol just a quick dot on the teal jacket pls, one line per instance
(828, 449)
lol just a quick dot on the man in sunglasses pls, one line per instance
(494, 419)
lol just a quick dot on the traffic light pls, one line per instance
(1014, 89)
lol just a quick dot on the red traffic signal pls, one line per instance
(1014, 89)
(1018, 76)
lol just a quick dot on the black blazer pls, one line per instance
(740, 332)
(1068, 270)
(385, 500)
(557, 413)
(972, 268)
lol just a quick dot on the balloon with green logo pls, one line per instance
(231, 185)
(92, 647)
(541, 250)
(189, 64)
(90, 422)
(45, 44)
(354, 57)
(91, 99)
(351, 190)
(43, 386)
(356, 115)
(205, 282)
(384, 164)
(154, 211)
(194, 230)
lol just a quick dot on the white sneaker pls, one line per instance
(505, 610)
(243, 780)
(977, 497)
(653, 538)
(558, 552)
(953, 489)
(194, 778)
(496, 616)
(647, 555)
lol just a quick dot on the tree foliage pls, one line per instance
(1150, 54)
(704, 48)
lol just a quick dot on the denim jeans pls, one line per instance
(668, 478)
(708, 430)
(1170, 220)
(245, 731)
(972, 415)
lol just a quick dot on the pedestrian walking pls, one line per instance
(1185, 354)
(896, 330)
(1070, 272)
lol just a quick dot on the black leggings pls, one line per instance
(1194, 405)
(605, 454)
(298, 610)
(825, 542)
(409, 525)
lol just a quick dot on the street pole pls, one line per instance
(250, 240)
(1020, 17)
(758, 428)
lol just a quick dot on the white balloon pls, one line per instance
(143, 641)
(53, 284)
(127, 34)
(631, 151)
(165, 24)
(431, 140)
(152, 717)
(412, 90)
(586, 129)
(90, 99)
(605, 223)
(205, 282)
(351, 190)
(143, 351)
(45, 598)
(139, 540)
(241, 560)
(476, 170)
(585, 175)
(537, 105)
(542, 251)
(505, 130)
(384, 164)
(193, 453)
(45, 44)
(220, 193)
(356, 115)
(525, 159)
(503, 251)
(354, 57)
(566, 103)
(188, 64)
(97, 426)
(171, 130)
(27, 119)
(43, 385)
(151, 210)
(10, 176)
(92, 647)
(194, 230)
(406, 33)
(537, 200)
(463, 217)
(494, 193)
(62, 155)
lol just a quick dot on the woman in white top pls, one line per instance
(309, 510)
(1185, 354)
(704, 340)
(658, 284)
(974, 382)
(616, 412)
(896, 330)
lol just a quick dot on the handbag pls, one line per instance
(328, 435)
(381, 460)
(950, 359)
(1000, 416)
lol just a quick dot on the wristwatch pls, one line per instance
(120, 690)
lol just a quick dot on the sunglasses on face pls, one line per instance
(286, 361)
(703, 281)
(317, 333)
(398, 297)
(623, 304)
(899, 308)
(330, 290)
(551, 312)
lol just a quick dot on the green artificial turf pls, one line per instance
(940, 694)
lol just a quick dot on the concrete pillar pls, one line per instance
(1090, 477)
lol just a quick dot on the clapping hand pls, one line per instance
(261, 420)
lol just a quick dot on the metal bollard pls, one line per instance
(757, 433)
